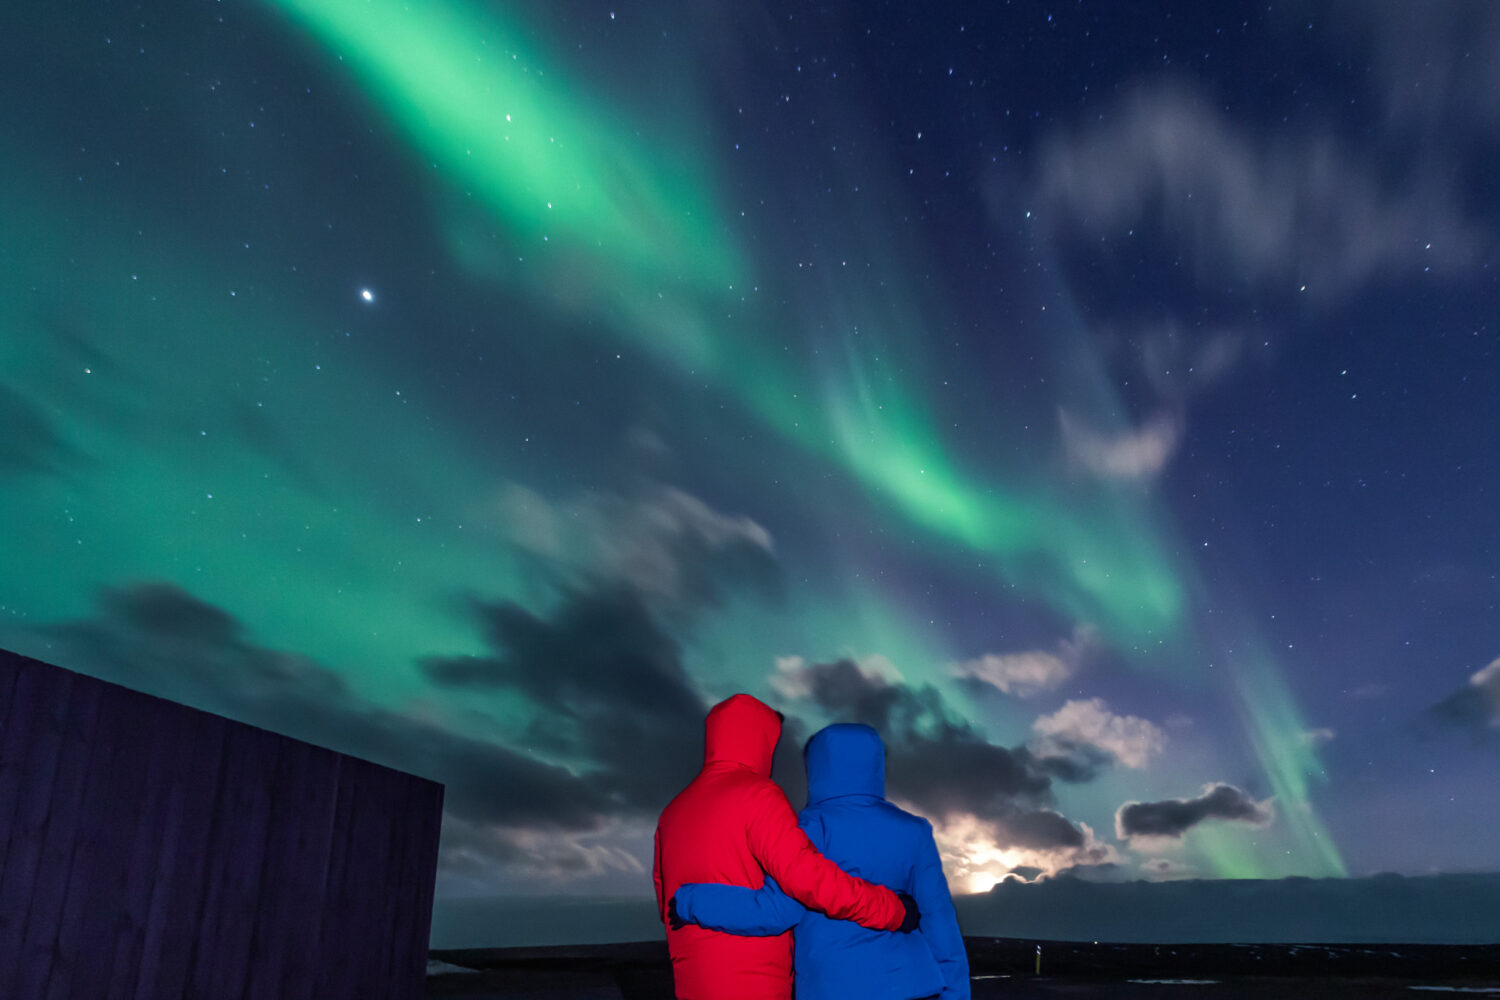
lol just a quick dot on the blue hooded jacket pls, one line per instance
(848, 819)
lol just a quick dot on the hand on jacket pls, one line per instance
(672, 916)
(913, 916)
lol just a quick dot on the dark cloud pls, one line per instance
(598, 648)
(958, 771)
(938, 762)
(1475, 707)
(934, 760)
(1041, 828)
(601, 722)
(29, 442)
(474, 857)
(787, 768)
(1174, 817)
(843, 689)
(162, 640)
(172, 614)
(1073, 761)
(606, 685)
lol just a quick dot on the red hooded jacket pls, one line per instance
(732, 825)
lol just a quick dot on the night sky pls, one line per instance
(1103, 400)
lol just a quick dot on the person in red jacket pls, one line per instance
(732, 824)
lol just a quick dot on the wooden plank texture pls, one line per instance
(93, 900)
(181, 878)
(296, 875)
(29, 747)
(221, 963)
(165, 731)
(56, 805)
(151, 851)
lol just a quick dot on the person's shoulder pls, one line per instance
(915, 823)
(759, 785)
(692, 790)
(745, 786)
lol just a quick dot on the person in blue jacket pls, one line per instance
(848, 819)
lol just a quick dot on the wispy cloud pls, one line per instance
(1030, 672)
(1297, 210)
(1436, 67)
(1138, 453)
(666, 544)
(1019, 674)
(1317, 737)
(31, 442)
(1089, 724)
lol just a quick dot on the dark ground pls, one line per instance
(1005, 968)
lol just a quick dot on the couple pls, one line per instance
(734, 873)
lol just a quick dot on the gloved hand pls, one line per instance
(913, 915)
(672, 917)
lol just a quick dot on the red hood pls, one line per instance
(742, 730)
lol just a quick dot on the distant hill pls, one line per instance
(1434, 909)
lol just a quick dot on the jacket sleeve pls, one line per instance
(786, 854)
(939, 923)
(738, 909)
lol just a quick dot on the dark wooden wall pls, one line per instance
(149, 850)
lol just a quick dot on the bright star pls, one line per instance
(367, 295)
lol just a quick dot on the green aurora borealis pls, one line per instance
(597, 306)
(624, 223)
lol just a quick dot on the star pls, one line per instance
(367, 295)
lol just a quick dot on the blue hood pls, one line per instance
(844, 759)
